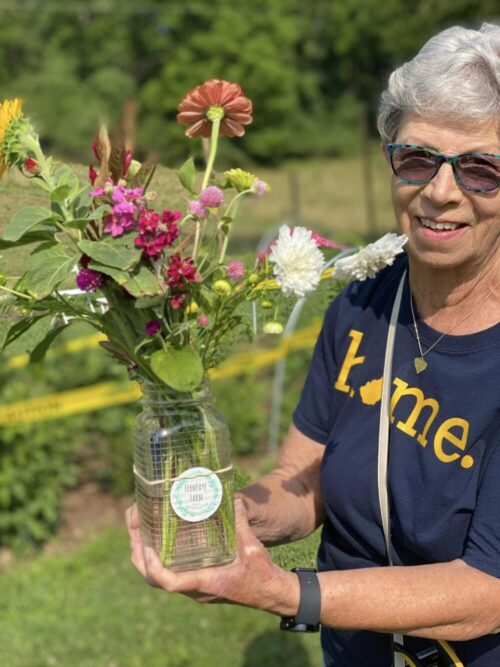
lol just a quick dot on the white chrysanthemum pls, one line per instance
(369, 260)
(298, 262)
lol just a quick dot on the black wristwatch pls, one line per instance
(307, 617)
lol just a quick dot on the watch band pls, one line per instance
(308, 613)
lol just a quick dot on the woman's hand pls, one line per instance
(251, 579)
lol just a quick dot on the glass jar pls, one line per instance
(183, 478)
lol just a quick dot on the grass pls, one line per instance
(92, 609)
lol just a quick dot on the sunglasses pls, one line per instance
(478, 172)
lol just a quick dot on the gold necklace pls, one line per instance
(419, 361)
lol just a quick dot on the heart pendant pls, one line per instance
(420, 364)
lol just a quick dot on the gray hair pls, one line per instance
(456, 74)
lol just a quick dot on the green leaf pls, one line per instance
(60, 193)
(180, 369)
(39, 352)
(77, 223)
(48, 266)
(148, 301)
(100, 212)
(67, 178)
(32, 335)
(118, 276)
(30, 237)
(4, 330)
(119, 253)
(187, 174)
(143, 282)
(24, 220)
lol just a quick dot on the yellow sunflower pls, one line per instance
(9, 110)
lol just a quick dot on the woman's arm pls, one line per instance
(451, 601)
(286, 505)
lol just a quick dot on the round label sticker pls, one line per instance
(196, 494)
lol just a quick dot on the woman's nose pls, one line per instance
(443, 188)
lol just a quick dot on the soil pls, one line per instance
(86, 511)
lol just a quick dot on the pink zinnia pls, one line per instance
(235, 270)
(212, 197)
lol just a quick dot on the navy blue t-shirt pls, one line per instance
(444, 457)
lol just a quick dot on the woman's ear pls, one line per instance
(384, 150)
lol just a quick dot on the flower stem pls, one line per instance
(12, 291)
(213, 151)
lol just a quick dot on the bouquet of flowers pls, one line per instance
(172, 301)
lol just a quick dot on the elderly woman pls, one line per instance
(440, 127)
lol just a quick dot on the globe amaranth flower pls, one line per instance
(215, 99)
(298, 262)
(235, 270)
(89, 280)
(203, 321)
(9, 111)
(197, 208)
(211, 197)
(177, 300)
(259, 187)
(153, 327)
(371, 259)
(180, 271)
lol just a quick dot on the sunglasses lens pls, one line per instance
(414, 165)
(479, 172)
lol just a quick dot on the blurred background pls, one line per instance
(314, 72)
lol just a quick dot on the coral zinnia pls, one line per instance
(9, 110)
(215, 99)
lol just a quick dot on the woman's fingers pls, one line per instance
(136, 543)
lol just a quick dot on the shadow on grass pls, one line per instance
(274, 649)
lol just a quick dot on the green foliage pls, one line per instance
(302, 64)
(35, 469)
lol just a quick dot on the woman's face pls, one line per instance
(475, 241)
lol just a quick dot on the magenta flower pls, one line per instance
(89, 280)
(157, 232)
(180, 270)
(235, 270)
(203, 321)
(118, 224)
(197, 208)
(211, 197)
(153, 327)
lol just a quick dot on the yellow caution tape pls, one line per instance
(107, 394)
(74, 345)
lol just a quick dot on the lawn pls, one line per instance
(92, 609)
